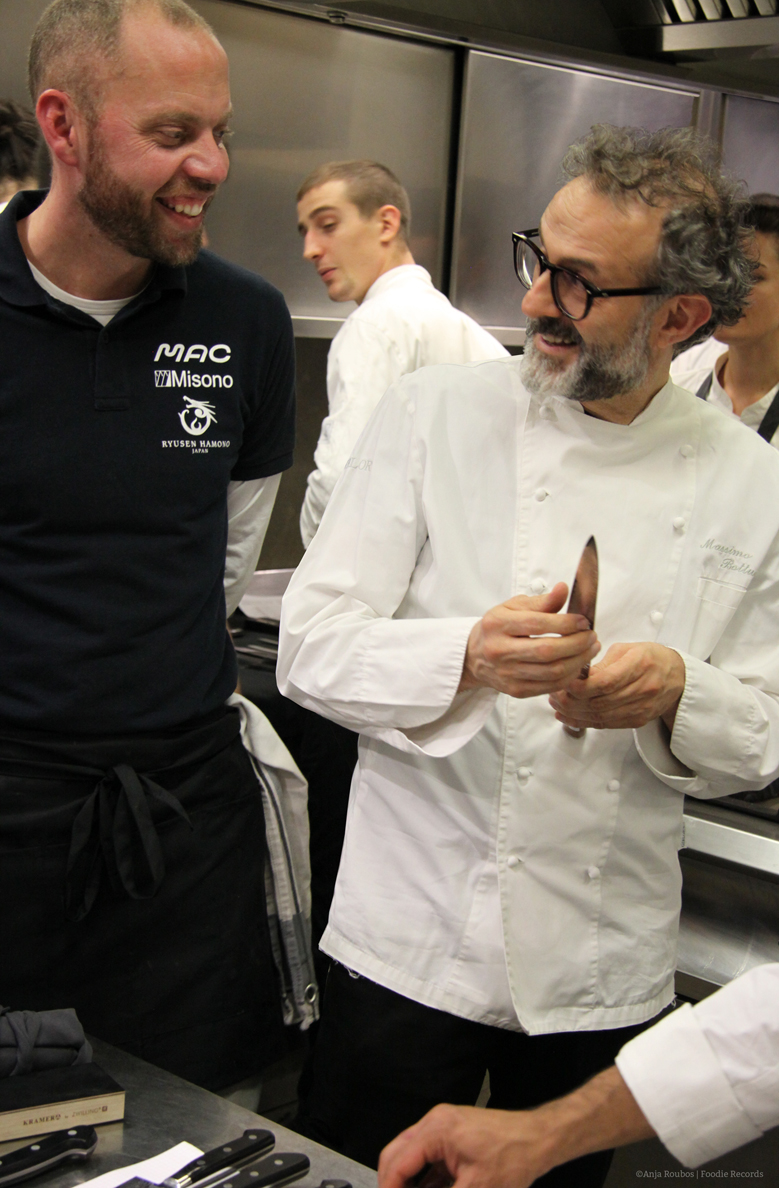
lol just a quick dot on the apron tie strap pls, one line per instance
(114, 829)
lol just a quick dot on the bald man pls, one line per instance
(147, 402)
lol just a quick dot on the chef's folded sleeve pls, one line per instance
(341, 651)
(706, 1078)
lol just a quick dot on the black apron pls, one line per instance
(132, 888)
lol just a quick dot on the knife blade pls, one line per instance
(584, 593)
(226, 1158)
(275, 1170)
(77, 1142)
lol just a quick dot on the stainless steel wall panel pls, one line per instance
(729, 921)
(518, 119)
(750, 142)
(304, 93)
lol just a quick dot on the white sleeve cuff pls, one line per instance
(680, 1088)
(654, 746)
(447, 734)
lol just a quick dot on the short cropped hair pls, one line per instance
(72, 34)
(369, 186)
(20, 143)
(705, 246)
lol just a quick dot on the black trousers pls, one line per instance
(382, 1061)
(158, 936)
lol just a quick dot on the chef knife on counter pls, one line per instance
(224, 1159)
(277, 1169)
(582, 602)
(215, 1165)
(274, 1170)
(77, 1142)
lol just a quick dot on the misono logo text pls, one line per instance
(190, 379)
(198, 352)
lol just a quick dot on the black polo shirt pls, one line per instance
(117, 445)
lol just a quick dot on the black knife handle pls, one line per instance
(274, 1170)
(335, 1184)
(251, 1145)
(77, 1142)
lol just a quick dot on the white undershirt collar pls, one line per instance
(752, 414)
(101, 311)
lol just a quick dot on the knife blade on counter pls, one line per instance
(77, 1142)
(584, 594)
(225, 1159)
(275, 1170)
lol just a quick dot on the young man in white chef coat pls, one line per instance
(355, 220)
(509, 895)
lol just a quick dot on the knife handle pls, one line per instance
(276, 1169)
(251, 1145)
(77, 1142)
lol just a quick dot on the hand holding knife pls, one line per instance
(582, 602)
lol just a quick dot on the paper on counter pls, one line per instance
(155, 1170)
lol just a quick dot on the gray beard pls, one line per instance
(118, 211)
(599, 373)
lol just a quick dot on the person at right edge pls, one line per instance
(737, 369)
(508, 898)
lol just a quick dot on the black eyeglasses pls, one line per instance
(572, 295)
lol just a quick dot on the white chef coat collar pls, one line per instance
(399, 276)
(753, 414)
(656, 408)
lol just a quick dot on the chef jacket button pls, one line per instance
(613, 785)
(524, 773)
(512, 861)
(687, 451)
(541, 494)
(538, 585)
(656, 617)
(547, 412)
(592, 872)
(679, 523)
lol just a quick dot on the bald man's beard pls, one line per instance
(599, 372)
(121, 214)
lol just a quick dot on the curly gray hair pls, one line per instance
(704, 246)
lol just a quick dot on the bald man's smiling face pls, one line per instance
(156, 153)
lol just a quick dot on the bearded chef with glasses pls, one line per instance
(509, 893)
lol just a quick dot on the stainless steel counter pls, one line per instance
(720, 832)
(162, 1110)
(730, 899)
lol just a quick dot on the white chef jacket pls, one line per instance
(706, 1078)
(403, 323)
(494, 867)
(692, 367)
